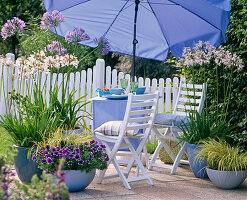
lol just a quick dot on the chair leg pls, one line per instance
(121, 174)
(155, 155)
(178, 158)
(138, 161)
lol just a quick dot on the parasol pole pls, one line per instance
(135, 41)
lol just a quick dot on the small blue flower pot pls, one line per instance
(197, 166)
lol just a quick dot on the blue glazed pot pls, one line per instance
(25, 167)
(226, 179)
(77, 180)
(199, 166)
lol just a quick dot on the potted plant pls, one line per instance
(33, 121)
(226, 164)
(82, 157)
(197, 129)
(72, 120)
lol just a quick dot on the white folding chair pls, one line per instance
(139, 115)
(190, 98)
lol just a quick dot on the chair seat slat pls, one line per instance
(187, 107)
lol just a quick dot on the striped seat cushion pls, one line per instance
(112, 128)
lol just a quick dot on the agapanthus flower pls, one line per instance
(11, 27)
(55, 48)
(51, 20)
(77, 35)
(103, 44)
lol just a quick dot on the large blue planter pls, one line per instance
(25, 167)
(199, 166)
(77, 180)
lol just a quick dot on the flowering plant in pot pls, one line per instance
(82, 157)
(226, 164)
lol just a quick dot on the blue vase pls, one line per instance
(25, 167)
(197, 166)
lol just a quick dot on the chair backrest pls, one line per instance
(140, 112)
(190, 98)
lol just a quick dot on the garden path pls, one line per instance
(183, 186)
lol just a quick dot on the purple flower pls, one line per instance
(93, 142)
(47, 172)
(58, 148)
(94, 149)
(77, 157)
(11, 27)
(77, 35)
(49, 160)
(103, 44)
(106, 158)
(71, 156)
(77, 150)
(80, 162)
(103, 146)
(43, 161)
(34, 158)
(88, 162)
(5, 186)
(45, 153)
(55, 48)
(101, 159)
(51, 20)
(47, 147)
(53, 149)
(55, 153)
(86, 143)
(91, 156)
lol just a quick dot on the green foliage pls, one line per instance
(155, 69)
(34, 120)
(61, 139)
(236, 33)
(69, 108)
(203, 127)
(151, 146)
(222, 156)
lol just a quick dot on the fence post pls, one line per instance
(168, 95)
(100, 73)
(6, 81)
(174, 91)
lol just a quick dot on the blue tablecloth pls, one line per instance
(105, 110)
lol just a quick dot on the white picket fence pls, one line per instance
(86, 82)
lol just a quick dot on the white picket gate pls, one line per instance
(85, 82)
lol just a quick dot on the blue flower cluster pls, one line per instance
(87, 156)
